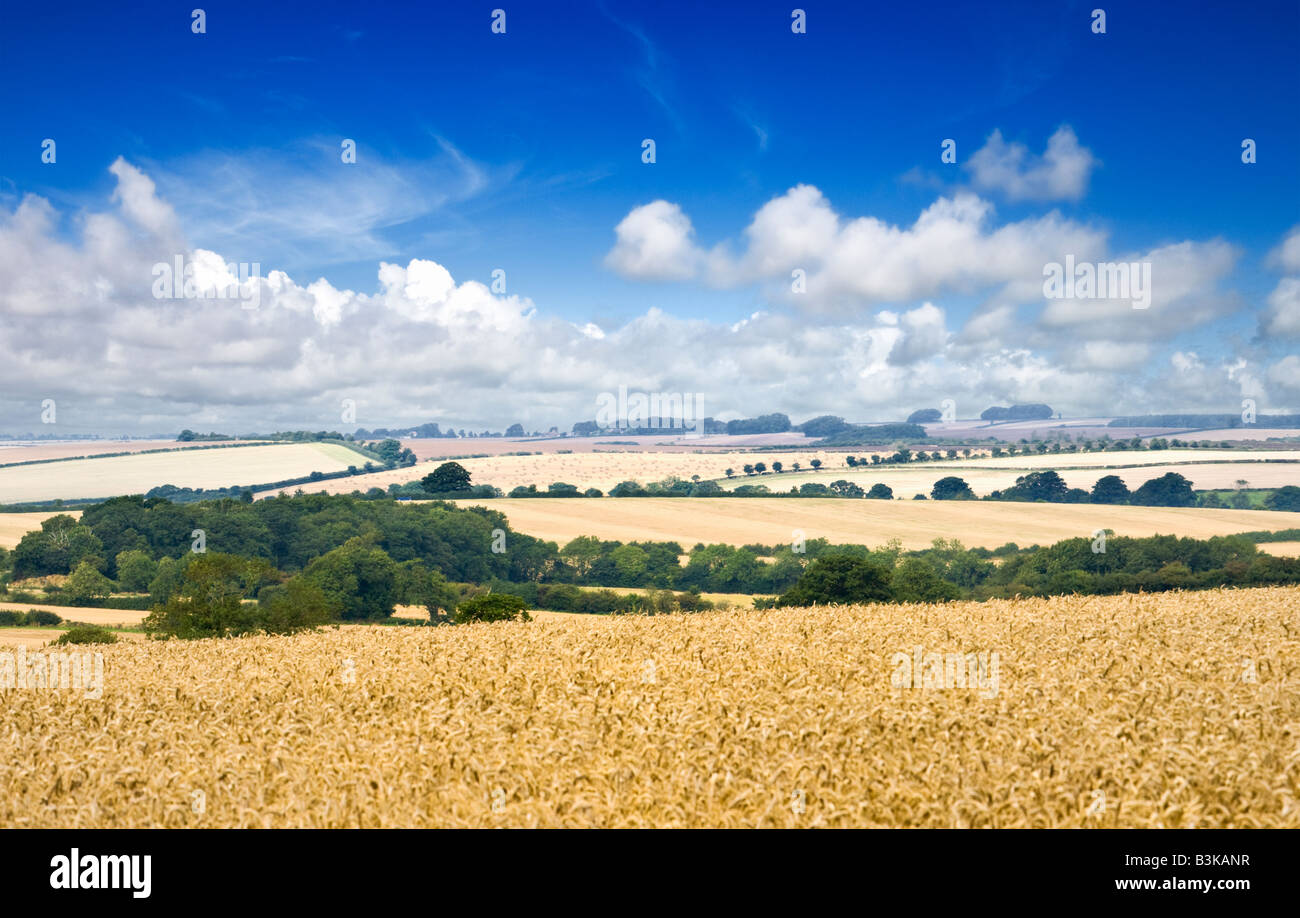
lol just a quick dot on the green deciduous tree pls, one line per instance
(135, 570)
(86, 585)
(446, 478)
(493, 607)
(1110, 489)
(358, 579)
(840, 579)
(951, 488)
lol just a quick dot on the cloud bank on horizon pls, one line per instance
(83, 326)
(879, 214)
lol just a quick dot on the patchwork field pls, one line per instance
(605, 469)
(601, 470)
(739, 521)
(29, 450)
(426, 448)
(1169, 710)
(186, 468)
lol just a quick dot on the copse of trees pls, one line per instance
(288, 532)
(1284, 498)
(873, 435)
(948, 571)
(421, 430)
(826, 425)
(1035, 412)
(210, 602)
(56, 548)
(766, 423)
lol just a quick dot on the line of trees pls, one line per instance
(1074, 566)
(294, 562)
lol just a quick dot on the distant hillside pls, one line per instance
(1206, 421)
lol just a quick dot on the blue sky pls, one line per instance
(522, 151)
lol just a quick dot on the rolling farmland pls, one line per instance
(1168, 710)
(219, 467)
(740, 521)
(985, 477)
(601, 470)
(605, 469)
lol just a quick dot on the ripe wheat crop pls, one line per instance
(1178, 709)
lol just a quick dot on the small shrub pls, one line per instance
(87, 634)
(494, 607)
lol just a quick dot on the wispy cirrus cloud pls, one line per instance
(303, 206)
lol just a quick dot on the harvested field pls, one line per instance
(13, 526)
(426, 448)
(186, 468)
(34, 638)
(109, 618)
(1169, 710)
(985, 476)
(601, 470)
(1139, 457)
(1281, 549)
(738, 521)
(606, 469)
(29, 450)
(1253, 434)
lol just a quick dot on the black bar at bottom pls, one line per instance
(586, 868)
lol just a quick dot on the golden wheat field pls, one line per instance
(1177, 709)
(776, 520)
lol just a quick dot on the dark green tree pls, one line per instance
(1169, 490)
(840, 578)
(1284, 498)
(951, 488)
(446, 479)
(1110, 489)
(358, 579)
(493, 607)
